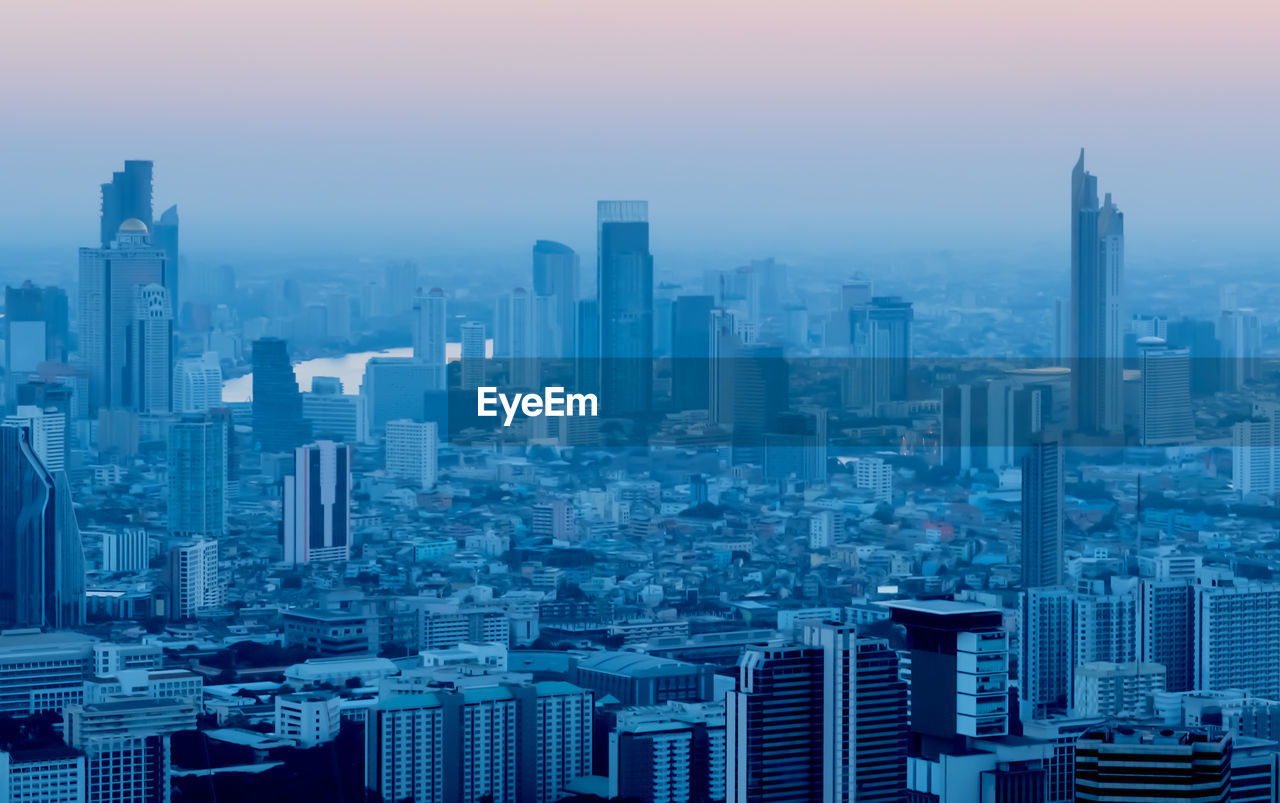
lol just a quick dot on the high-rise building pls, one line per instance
(109, 280)
(195, 579)
(150, 363)
(1255, 451)
(1164, 417)
(429, 321)
(473, 355)
(774, 726)
(586, 368)
(864, 716)
(125, 550)
(554, 519)
(197, 383)
(1167, 630)
(875, 475)
(1124, 764)
(518, 332)
(1097, 336)
(1238, 628)
(198, 477)
(668, 754)
(278, 424)
(165, 235)
(41, 560)
(43, 671)
(411, 451)
(395, 388)
(1239, 335)
(35, 329)
(335, 415)
(400, 282)
(50, 773)
(128, 195)
(1043, 511)
(624, 288)
(317, 504)
(48, 429)
(690, 350)
(555, 278)
(1044, 660)
(126, 746)
(1103, 688)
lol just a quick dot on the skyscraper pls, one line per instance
(1045, 660)
(473, 354)
(429, 334)
(1097, 336)
(48, 433)
(278, 424)
(690, 349)
(411, 451)
(774, 726)
(864, 716)
(519, 332)
(150, 341)
(317, 504)
(41, 561)
(624, 288)
(127, 195)
(109, 282)
(165, 235)
(126, 745)
(197, 383)
(1165, 417)
(35, 330)
(198, 477)
(1042, 515)
(555, 278)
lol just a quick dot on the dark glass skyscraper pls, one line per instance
(555, 287)
(690, 350)
(41, 562)
(1042, 514)
(1097, 339)
(624, 287)
(127, 195)
(278, 424)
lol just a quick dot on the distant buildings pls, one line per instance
(473, 355)
(555, 289)
(195, 579)
(624, 288)
(317, 504)
(411, 448)
(429, 317)
(197, 477)
(278, 424)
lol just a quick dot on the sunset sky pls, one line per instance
(396, 127)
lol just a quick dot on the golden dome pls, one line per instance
(134, 225)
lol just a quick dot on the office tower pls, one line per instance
(1255, 451)
(1201, 339)
(429, 334)
(888, 341)
(1097, 268)
(555, 278)
(42, 671)
(48, 430)
(399, 286)
(195, 580)
(624, 291)
(35, 327)
(395, 388)
(690, 350)
(864, 716)
(1106, 689)
(1165, 398)
(1239, 334)
(128, 195)
(1124, 764)
(197, 383)
(41, 773)
(411, 451)
(41, 562)
(1167, 630)
(126, 746)
(554, 519)
(1043, 511)
(335, 415)
(774, 724)
(758, 383)
(317, 504)
(165, 235)
(668, 754)
(150, 340)
(278, 424)
(126, 550)
(518, 334)
(198, 477)
(1238, 630)
(473, 354)
(109, 281)
(587, 341)
(959, 668)
(1045, 660)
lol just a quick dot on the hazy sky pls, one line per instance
(381, 127)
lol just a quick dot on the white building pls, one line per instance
(127, 550)
(48, 433)
(42, 671)
(195, 579)
(126, 745)
(875, 475)
(42, 775)
(310, 718)
(151, 343)
(1108, 689)
(320, 484)
(337, 415)
(197, 383)
(412, 451)
(1238, 628)
(1255, 451)
(822, 529)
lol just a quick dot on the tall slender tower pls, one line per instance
(429, 334)
(624, 287)
(1042, 514)
(1097, 337)
(555, 278)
